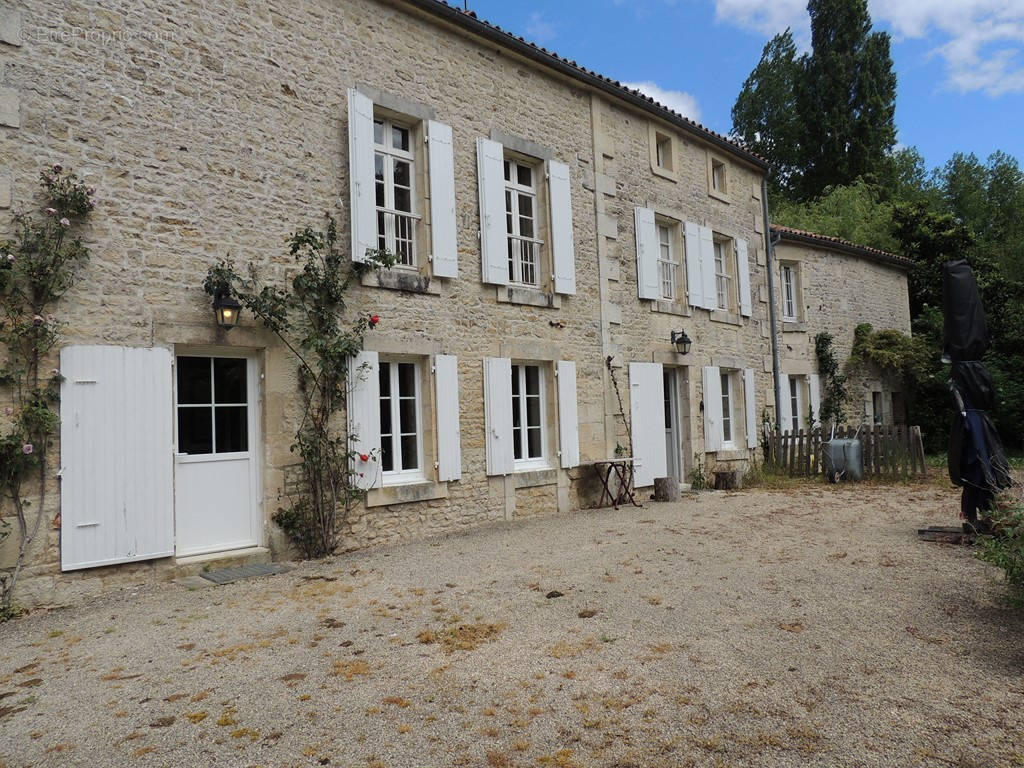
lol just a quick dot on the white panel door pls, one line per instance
(216, 475)
(117, 495)
(647, 416)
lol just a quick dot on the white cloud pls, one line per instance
(539, 28)
(981, 41)
(682, 102)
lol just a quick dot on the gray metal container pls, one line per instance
(843, 460)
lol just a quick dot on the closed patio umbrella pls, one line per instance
(977, 461)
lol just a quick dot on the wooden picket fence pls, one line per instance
(888, 451)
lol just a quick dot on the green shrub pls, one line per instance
(1005, 548)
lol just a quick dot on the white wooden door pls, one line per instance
(116, 471)
(216, 476)
(646, 399)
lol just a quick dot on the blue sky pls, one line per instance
(959, 63)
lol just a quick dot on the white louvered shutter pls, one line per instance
(362, 184)
(449, 434)
(562, 248)
(646, 253)
(786, 414)
(490, 166)
(750, 401)
(443, 242)
(116, 451)
(743, 277)
(712, 376)
(498, 415)
(364, 418)
(814, 390)
(647, 417)
(707, 268)
(694, 262)
(568, 417)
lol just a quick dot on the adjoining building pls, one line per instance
(557, 234)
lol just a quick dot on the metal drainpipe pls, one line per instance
(769, 260)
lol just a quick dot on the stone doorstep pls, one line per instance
(185, 568)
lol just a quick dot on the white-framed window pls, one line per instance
(528, 416)
(394, 161)
(876, 407)
(401, 425)
(727, 422)
(668, 262)
(521, 224)
(719, 177)
(789, 300)
(663, 151)
(795, 402)
(723, 275)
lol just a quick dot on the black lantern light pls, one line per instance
(682, 342)
(226, 309)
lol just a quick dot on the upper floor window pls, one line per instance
(401, 432)
(719, 180)
(723, 274)
(789, 296)
(521, 223)
(528, 413)
(668, 262)
(663, 151)
(394, 170)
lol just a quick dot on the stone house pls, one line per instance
(832, 285)
(556, 233)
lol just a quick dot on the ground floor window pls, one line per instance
(727, 410)
(527, 413)
(401, 433)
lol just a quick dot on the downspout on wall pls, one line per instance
(769, 256)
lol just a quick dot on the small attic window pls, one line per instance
(663, 151)
(719, 180)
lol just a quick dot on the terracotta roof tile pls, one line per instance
(791, 233)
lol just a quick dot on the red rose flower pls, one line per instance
(364, 456)
(374, 319)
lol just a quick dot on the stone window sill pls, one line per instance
(535, 477)
(664, 173)
(401, 280)
(671, 308)
(531, 297)
(719, 196)
(733, 454)
(791, 326)
(727, 318)
(406, 494)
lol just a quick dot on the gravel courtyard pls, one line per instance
(789, 628)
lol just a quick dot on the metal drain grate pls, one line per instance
(227, 575)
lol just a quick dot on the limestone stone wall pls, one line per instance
(212, 131)
(639, 330)
(839, 291)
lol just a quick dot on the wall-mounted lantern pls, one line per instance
(682, 342)
(226, 308)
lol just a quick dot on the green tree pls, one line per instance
(765, 116)
(846, 97)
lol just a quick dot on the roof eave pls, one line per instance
(525, 49)
(843, 247)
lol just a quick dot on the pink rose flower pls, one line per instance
(27, 448)
(37, 320)
(65, 222)
(57, 167)
(51, 211)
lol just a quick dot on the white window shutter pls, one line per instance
(562, 248)
(443, 243)
(116, 453)
(814, 387)
(364, 418)
(490, 166)
(707, 268)
(362, 185)
(568, 417)
(743, 277)
(750, 401)
(694, 262)
(449, 434)
(646, 253)
(498, 415)
(647, 417)
(786, 414)
(712, 408)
